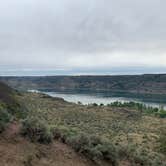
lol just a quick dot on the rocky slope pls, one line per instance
(140, 84)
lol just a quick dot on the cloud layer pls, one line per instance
(91, 36)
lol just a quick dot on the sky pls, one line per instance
(75, 37)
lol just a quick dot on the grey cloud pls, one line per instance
(62, 33)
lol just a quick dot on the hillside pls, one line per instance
(137, 84)
(6, 94)
(8, 100)
(107, 135)
(54, 132)
(15, 150)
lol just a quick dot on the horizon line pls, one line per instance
(79, 75)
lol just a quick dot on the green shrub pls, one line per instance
(94, 153)
(95, 104)
(108, 152)
(60, 132)
(4, 118)
(142, 108)
(162, 114)
(79, 142)
(162, 142)
(140, 158)
(37, 130)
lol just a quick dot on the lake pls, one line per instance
(105, 97)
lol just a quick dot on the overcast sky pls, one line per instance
(82, 37)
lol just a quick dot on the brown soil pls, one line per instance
(17, 151)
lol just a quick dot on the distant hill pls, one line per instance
(141, 84)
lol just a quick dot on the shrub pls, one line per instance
(62, 133)
(101, 104)
(94, 153)
(95, 104)
(139, 156)
(4, 118)
(94, 148)
(79, 142)
(108, 152)
(79, 103)
(162, 142)
(37, 130)
(162, 114)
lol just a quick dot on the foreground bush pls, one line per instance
(37, 130)
(94, 148)
(61, 133)
(4, 118)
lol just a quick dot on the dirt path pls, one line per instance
(17, 151)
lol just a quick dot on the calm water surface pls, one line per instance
(88, 97)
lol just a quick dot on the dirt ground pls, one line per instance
(17, 151)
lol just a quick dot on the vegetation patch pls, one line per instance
(162, 142)
(102, 133)
(36, 130)
(142, 108)
(92, 147)
(4, 118)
